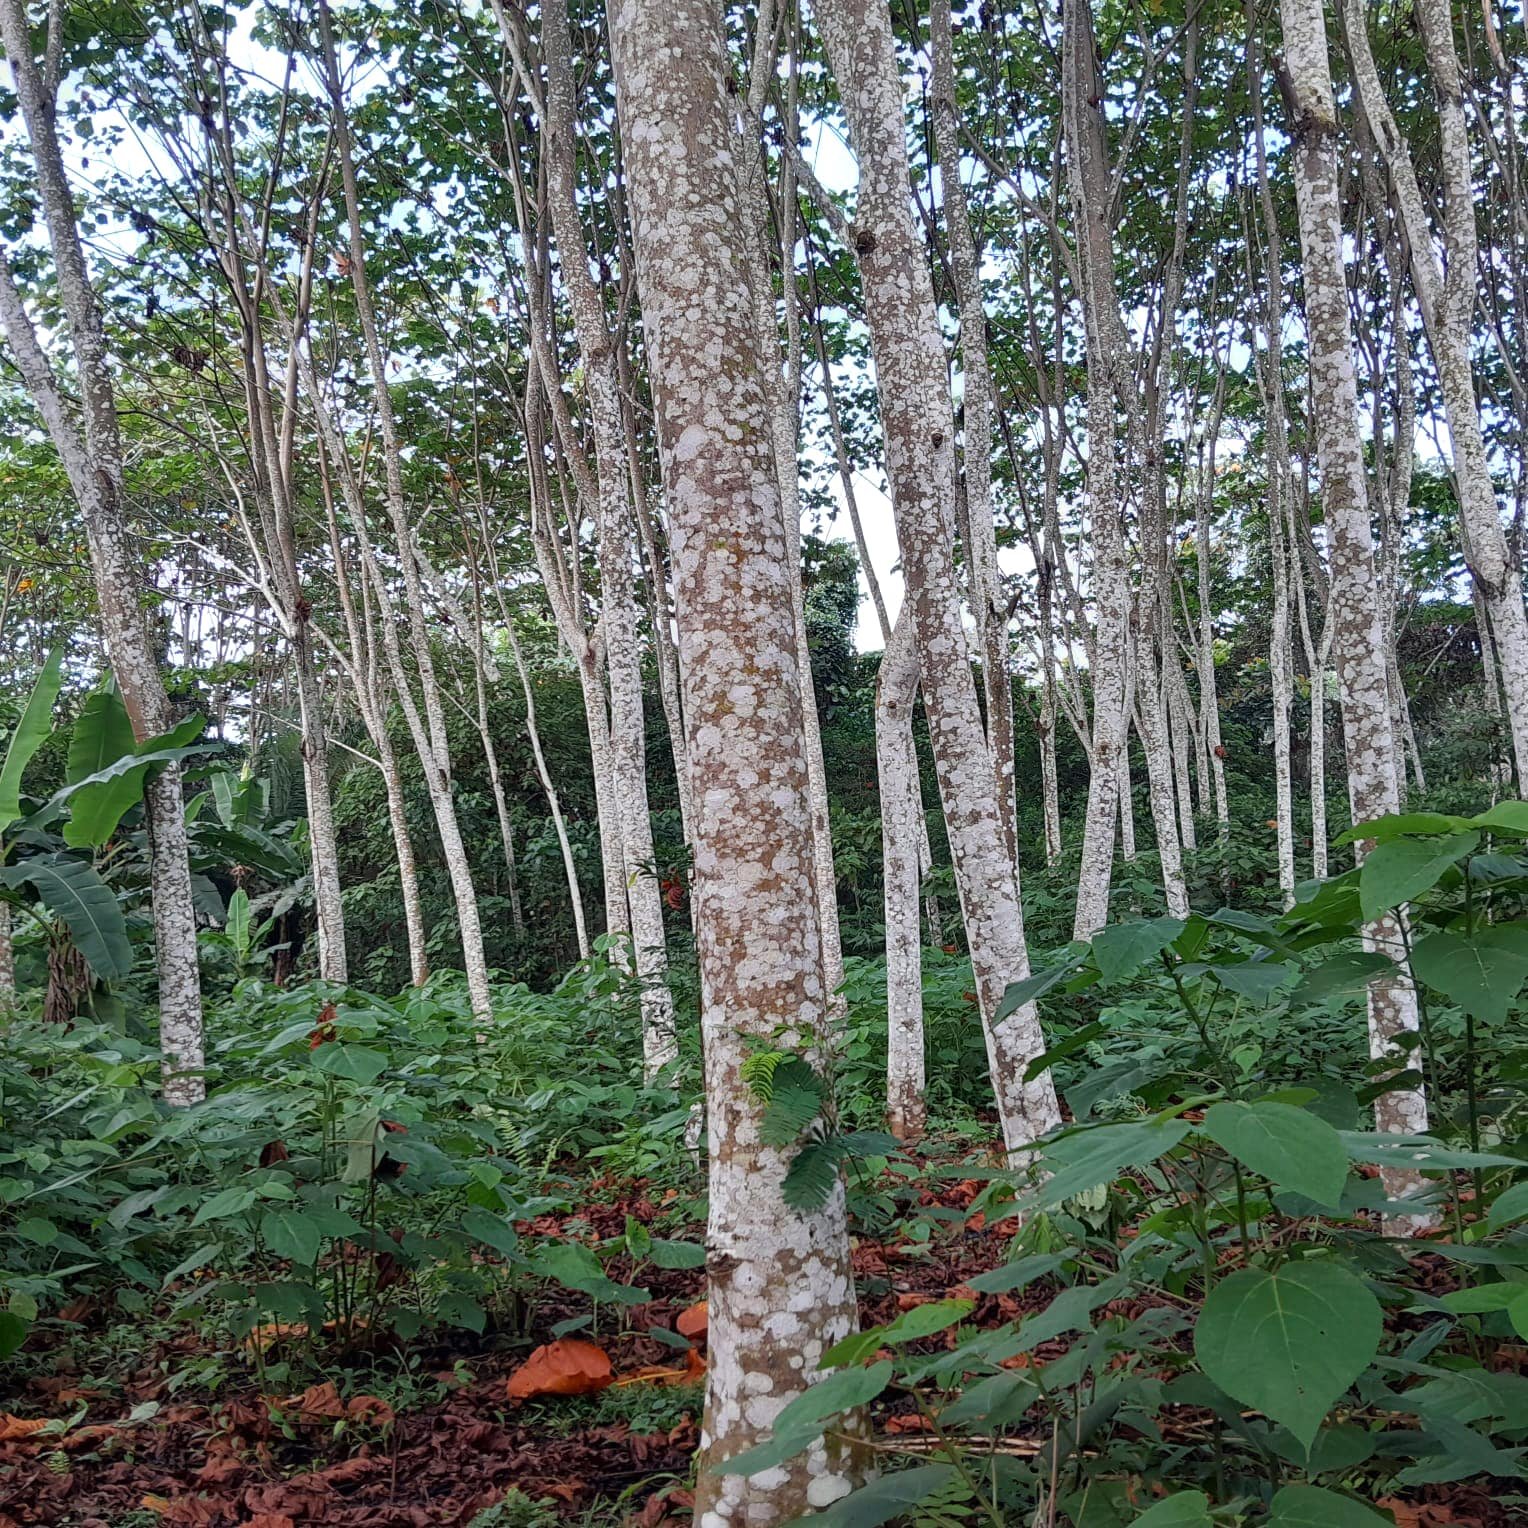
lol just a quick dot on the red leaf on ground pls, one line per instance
(565, 1367)
(694, 1322)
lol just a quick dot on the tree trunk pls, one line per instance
(1357, 619)
(918, 424)
(901, 812)
(781, 1288)
(91, 452)
(617, 550)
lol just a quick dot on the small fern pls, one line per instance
(758, 1072)
(796, 1098)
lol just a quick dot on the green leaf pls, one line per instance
(37, 1229)
(233, 1200)
(1509, 817)
(13, 1332)
(1351, 971)
(1288, 1342)
(1380, 830)
(33, 728)
(237, 924)
(1401, 869)
(457, 1309)
(1183, 1509)
(892, 1496)
(1255, 980)
(802, 1422)
(1482, 974)
(292, 1234)
(492, 1230)
(795, 1100)
(358, 1063)
(1017, 994)
(1086, 1158)
(678, 1254)
(1313, 1507)
(925, 1320)
(812, 1175)
(1059, 1052)
(71, 890)
(1125, 947)
(1510, 1206)
(1291, 1147)
(102, 735)
(1418, 1151)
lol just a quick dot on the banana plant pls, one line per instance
(105, 774)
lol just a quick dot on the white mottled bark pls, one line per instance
(1087, 175)
(986, 595)
(429, 729)
(1356, 616)
(91, 452)
(919, 426)
(896, 689)
(617, 550)
(7, 958)
(781, 1290)
(1447, 297)
(1270, 376)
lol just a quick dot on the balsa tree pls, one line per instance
(780, 1287)
(88, 442)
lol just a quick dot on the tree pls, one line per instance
(781, 1292)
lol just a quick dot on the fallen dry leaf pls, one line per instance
(694, 1368)
(155, 1503)
(268, 1520)
(694, 1322)
(1406, 1514)
(568, 1366)
(13, 1429)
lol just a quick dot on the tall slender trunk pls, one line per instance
(896, 688)
(1357, 619)
(987, 604)
(1447, 298)
(90, 449)
(782, 385)
(780, 1285)
(918, 423)
(428, 730)
(617, 543)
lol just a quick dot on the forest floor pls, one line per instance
(437, 1441)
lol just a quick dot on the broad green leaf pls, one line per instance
(492, 1230)
(1483, 974)
(1380, 830)
(70, 889)
(35, 725)
(1255, 980)
(925, 1320)
(13, 1332)
(227, 1202)
(1476, 1299)
(237, 925)
(1314, 1507)
(1509, 817)
(678, 1254)
(1401, 869)
(1291, 1147)
(1059, 1052)
(292, 1234)
(1018, 994)
(1288, 1342)
(98, 804)
(1510, 1206)
(358, 1063)
(1351, 971)
(1124, 947)
(891, 1497)
(457, 1309)
(1183, 1509)
(1418, 1151)
(802, 1422)
(102, 735)
(1087, 1158)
